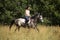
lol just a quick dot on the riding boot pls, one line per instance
(26, 22)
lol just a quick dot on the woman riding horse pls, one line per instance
(27, 14)
(21, 21)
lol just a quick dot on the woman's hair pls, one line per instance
(27, 7)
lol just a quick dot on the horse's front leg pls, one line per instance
(35, 27)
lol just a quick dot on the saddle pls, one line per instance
(26, 20)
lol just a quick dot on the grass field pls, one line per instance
(45, 33)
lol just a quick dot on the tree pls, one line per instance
(10, 9)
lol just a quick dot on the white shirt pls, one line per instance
(27, 13)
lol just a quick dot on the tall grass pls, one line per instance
(45, 33)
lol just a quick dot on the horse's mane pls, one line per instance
(34, 15)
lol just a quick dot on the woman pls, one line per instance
(27, 14)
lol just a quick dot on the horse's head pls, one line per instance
(38, 16)
(41, 18)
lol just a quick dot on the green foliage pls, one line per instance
(11, 9)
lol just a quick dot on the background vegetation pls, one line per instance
(11, 9)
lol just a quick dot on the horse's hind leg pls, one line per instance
(11, 24)
(10, 27)
(17, 27)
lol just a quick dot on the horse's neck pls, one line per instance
(34, 18)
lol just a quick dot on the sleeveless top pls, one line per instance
(27, 12)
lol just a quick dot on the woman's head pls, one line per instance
(28, 7)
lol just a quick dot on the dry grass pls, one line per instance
(45, 33)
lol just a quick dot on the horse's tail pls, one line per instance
(12, 22)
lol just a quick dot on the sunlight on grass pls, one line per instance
(45, 33)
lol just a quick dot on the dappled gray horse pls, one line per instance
(32, 23)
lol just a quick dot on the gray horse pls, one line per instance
(21, 22)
